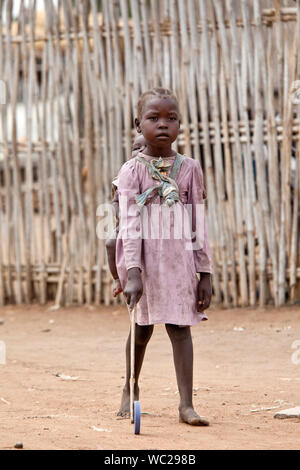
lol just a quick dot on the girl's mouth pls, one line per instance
(163, 136)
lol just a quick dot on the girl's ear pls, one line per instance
(179, 124)
(137, 125)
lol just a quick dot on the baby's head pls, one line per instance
(138, 144)
(158, 117)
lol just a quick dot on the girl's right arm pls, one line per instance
(130, 230)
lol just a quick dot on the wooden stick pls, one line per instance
(132, 359)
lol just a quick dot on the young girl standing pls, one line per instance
(159, 273)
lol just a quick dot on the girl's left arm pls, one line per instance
(201, 248)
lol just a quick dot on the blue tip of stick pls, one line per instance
(137, 417)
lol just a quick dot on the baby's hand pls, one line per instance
(204, 292)
(117, 287)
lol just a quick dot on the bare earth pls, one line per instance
(243, 374)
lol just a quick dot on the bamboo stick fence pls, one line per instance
(75, 69)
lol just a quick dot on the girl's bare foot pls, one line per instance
(189, 416)
(124, 410)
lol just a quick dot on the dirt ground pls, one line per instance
(245, 369)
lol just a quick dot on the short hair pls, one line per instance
(155, 92)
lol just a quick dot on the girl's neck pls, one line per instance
(162, 152)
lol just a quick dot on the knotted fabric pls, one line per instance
(168, 188)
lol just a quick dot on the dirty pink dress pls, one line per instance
(158, 240)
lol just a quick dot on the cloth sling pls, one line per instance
(168, 188)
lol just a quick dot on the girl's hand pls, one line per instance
(134, 287)
(204, 292)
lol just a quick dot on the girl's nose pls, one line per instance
(162, 123)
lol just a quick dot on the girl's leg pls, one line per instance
(142, 336)
(182, 345)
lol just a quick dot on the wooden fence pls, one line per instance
(73, 72)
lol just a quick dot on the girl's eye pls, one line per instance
(153, 118)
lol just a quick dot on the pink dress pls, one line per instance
(168, 244)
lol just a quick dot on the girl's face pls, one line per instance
(159, 122)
